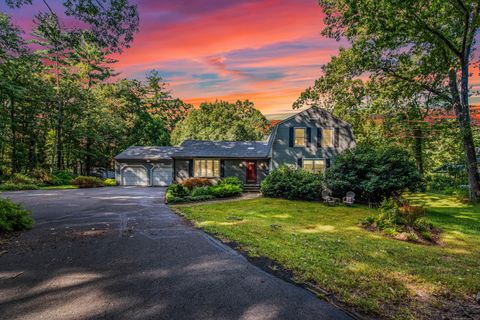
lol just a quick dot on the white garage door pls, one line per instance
(134, 176)
(162, 176)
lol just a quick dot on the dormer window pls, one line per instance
(299, 137)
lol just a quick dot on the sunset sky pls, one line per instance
(266, 51)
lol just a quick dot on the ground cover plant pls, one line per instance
(13, 217)
(370, 273)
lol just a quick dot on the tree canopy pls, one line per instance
(222, 120)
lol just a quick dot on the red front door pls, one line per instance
(251, 171)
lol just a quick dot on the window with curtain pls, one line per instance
(327, 137)
(314, 165)
(206, 168)
(299, 137)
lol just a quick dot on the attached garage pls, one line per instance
(134, 175)
(144, 167)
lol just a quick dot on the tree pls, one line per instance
(222, 120)
(424, 42)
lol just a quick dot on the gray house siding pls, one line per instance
(284, 154)
(232, 168)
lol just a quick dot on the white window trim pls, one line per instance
(323, 159)
(332, 143)
(213, 171)
(304, 137)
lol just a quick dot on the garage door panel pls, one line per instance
(134, 176)
(162, 176)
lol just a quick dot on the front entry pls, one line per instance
(251, 171)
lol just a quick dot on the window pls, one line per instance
(299, 137)
(314, 165)
(207, 168)
(327, 138)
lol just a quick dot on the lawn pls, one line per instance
(368, 272)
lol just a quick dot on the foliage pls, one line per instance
(110, 182)
(17, 186)
(429, 44)
(324, 244)
(176, 191)
(87, 182)
(201, 191)
(293, 184)
(406, 218)
(231, 180)
(373, 173)
(62, 177)
(19, 178)
(13, 217)
(192, 183)
(226, 190)
(222, 120)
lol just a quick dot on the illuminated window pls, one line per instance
(299, 137)
(327, 137)
(207, 168)
(314, 165)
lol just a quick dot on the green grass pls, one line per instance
(369, 272)
(69, 186)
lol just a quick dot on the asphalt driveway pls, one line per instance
(120, 253)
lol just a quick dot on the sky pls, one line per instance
(267, 51)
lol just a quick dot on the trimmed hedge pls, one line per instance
(292, 184)
(13, 217)
(87, 182)
(178, 193)
(193, 183)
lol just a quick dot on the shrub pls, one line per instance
(172, 199)
(19, 178)
(87, 182)
(373, 173)
(231, 180)
(293, 184)
(202, 191)
(13, 217)
(192, 183)
(178, 190)
(226, 190)
(42, 176)
(110, 182)
(63, 177)
(19, 186)
(201, 198)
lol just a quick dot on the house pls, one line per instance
(310, 139)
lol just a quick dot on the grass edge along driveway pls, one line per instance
(367, 271)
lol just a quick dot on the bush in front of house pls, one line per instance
(109, 182)
(177, 193)
(402, 220)
(87, 182)
(292, 184)
(193, 183)
(226, 190)
(373, 173)
(62, 177)
(232, 180)
(13, 217)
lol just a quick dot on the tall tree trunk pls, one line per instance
(418, 148)
(462, 113)
(13, 131)
(88, 158)
(32, 158)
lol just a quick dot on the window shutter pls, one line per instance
(190, 168)
(308, 137)
(319, 137)
(290, 141)
(336, 137)
(327, 163)
(300, 162)
(222, 168)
